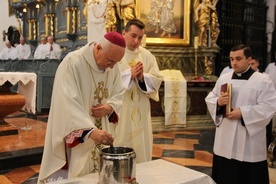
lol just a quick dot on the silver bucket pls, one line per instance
(117, 167)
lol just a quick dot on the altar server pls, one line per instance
(87, 97)
(23, 50)
(271, 71)
(53, 49)
(142, 78)
(41, 50)
(8, 52)
(240, 152)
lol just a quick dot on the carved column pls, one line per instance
(49, 23)
(71, 20)
(50, 18)
(32, 29)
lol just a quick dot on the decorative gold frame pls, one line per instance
(182, 36)
(11, 13)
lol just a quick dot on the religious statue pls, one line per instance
(154, 15)
(214, 29)
(111, 19)
(125, 10)
(167, 23)
(96, 20)
(103, 15)
(162, 16)
(208, 65)
(202, 15)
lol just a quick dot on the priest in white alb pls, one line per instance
(142, 78)
(87, 97)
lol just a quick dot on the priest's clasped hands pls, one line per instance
(137, 71)
(223, 100)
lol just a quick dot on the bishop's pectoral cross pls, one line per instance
(100, 93)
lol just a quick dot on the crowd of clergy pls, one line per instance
(47, 48)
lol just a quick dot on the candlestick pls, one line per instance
(196, 48)
(195, 63)
(196, 42)
(144, 39)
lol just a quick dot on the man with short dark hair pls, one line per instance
(240, 152)
(142, 79)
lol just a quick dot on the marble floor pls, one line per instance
(20, 154)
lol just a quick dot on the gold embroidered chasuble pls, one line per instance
(73, 95)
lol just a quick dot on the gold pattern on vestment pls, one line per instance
(132, 63)
(100, 93)
(135, 113)
(175, 107)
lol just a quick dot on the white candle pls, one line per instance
(144, 39)
(196, 42)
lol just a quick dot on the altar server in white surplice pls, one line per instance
(53, 49)
(9, 52)
(271, 71)
(86, 100)
(23, 50)
(240, 151)
(142, 78)
(41, 50)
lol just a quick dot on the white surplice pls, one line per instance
(76, 81)
(271, 71)
(23, 51)
(8, 53)
(134, 128)
(256, 98)
(55, 53)
(41, 51)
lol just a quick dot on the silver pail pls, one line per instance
(118, 166)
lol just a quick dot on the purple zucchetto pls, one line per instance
(115, 38)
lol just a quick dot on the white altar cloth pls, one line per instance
(26, 86)
(175, 87)
(153, 172)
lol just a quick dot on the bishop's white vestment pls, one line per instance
(256, 98)
(134, 129)
(77, 86)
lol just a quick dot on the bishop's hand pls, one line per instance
(102, 137)
(100, 110)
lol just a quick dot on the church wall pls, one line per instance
(6, 20)
(68, 24)
(66, 21)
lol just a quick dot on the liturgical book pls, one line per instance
(227, 108)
